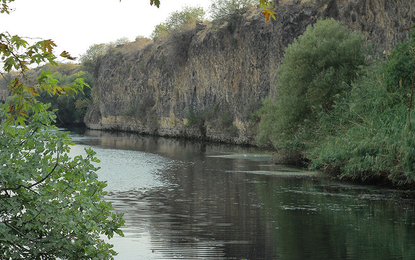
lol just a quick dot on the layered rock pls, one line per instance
(208, 81)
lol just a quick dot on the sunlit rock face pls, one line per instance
(206, 82)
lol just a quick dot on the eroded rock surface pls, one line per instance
(206, 82)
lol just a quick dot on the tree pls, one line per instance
(225, 8)
(316, 69)
(51, 205)
(368, 134)
(121, 41)
(67, 113)
(265, 4)
(178, 20)
(90, 57)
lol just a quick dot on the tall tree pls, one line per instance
(51, 205)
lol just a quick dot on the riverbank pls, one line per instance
(207, 82)
(200, 200)
(311, 89)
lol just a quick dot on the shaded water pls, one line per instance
(193, 200)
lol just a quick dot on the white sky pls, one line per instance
(75, 25)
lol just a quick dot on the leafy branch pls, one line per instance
(37, 182)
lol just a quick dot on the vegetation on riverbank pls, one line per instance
(338, 116)
(336, 107)
(70, 109)
(51, 205)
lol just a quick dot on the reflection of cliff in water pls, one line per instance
(210, 205)
(206, 209)
(205, 220)
(173, 148)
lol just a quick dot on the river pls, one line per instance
(195, 200)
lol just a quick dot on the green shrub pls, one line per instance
(367, 137)
(400, 68)
(227, 8)
(67, 113)
(219, 117)
(194, 118)
(367, 134)
(129, 112)
(178, 20)
(315, 70)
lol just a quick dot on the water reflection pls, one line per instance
(194, 200)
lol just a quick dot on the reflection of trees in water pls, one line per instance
(312, 220)
(207, 210)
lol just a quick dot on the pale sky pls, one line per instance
(75, 25)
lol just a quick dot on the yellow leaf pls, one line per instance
(263, 3)
(11, 109)
(58, 90)
(32, 91)
(24, 114)
(48, 45)
(3, 47)
(268, 13)
(66, 55)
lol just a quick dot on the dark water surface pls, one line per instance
(193, 200)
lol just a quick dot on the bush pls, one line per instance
(67, 113)
(316, 69)
(195, 119)
(227, 8)
(90, 58)
(400, 68)
(368, 136)
(178, 20)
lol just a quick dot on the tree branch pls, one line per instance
(36, 183)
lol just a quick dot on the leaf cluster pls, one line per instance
(4, 6)
(51, 205)
(70, 109)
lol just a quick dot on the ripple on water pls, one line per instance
(125, 170)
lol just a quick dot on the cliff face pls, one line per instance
(208, 81)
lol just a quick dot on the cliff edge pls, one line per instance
(208, 81)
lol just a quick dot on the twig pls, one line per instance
(407, 29)
(36, 183)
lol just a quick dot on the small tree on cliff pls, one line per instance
(177, 21)
(90, 57)
(226, 8)
(51, 206)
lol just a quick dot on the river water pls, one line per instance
(196, 200)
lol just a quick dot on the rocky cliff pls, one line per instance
(206, 82)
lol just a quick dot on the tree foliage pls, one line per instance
(90, 57)
(178, 20)
(51, 205)
(315, 70)
(368, 135)
(70, 109)
(226, 8)
(265, 4)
